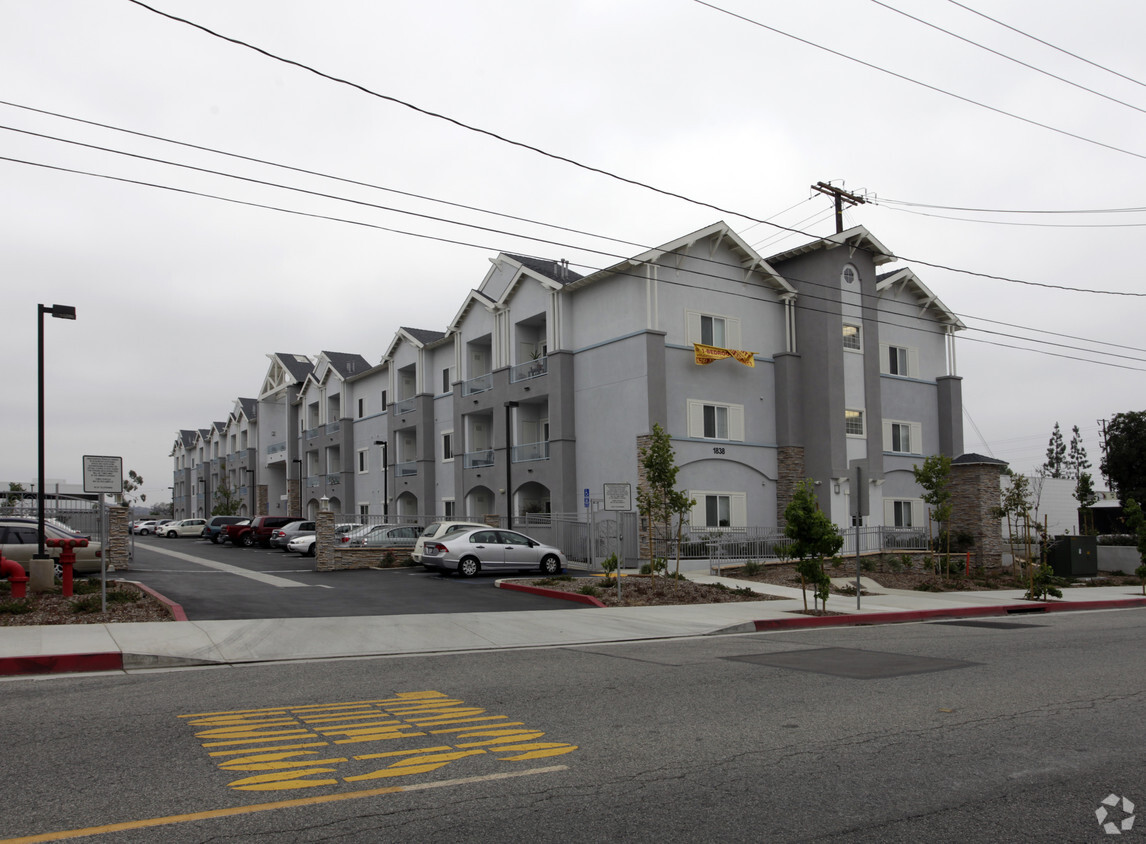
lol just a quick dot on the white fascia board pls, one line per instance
(474, 296)
(908, 278)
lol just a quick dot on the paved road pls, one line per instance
(1000, 730)
(223, 582)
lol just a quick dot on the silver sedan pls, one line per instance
(470, 551)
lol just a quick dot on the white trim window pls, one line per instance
(448, 509)
(902, 512)
(854, 423)
(712, 421)
(712, 330)
(853, 337)
(363, 461)
(447, 446)
(902, 437)
(361, 408)
(898, 360)
(716, 509)
(447, 380)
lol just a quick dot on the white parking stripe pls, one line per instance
(268, 579)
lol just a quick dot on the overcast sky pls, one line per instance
(181, 296)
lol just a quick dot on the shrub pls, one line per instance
(17, 607)
(123, 596)
(88, 603)
(589, 589)
(752, 568)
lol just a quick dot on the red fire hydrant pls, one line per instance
(67, 558)
(16, 576)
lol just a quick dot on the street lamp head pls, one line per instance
(60, 311)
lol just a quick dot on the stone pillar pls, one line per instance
(324, 540)
(975, 492)
(117, 549)
(294, 503)
(261, 503)
(790, 464)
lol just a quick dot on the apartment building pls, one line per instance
(764, 371)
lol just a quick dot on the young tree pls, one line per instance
(131, 486)
(934, 476)
(1056, 455)
(1124, 455)
(658, 500)
(1076, 461)
(15, 496)
(1085, 495)
(1016, 505)
(226, 499)
(1136, 521)
(814, 537)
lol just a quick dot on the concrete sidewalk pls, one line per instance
(111, 647)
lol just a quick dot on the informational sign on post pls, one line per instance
(103, 474)
(619, 497)
(586, 498)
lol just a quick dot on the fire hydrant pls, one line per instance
(16, 576)
(67, 558)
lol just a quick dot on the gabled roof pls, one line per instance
(720, 233)
(285, 370)
(249, 408)
(906, 279)
(299, 366)
(972, 459)
(472, 298)
(346, 364)
(557, 271)
(418, 337)
(187, 438)
(857, 238)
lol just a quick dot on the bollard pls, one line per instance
(16, 576)
(67, 560)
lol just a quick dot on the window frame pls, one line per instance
(363, 462)
(862, 422)
(858, 347)
(693, 329)
(735, 420)
(447, 442)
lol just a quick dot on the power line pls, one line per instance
(1005, 56)
(883, 200)
(609, 174)
(1019, 222)
(1047, 43)
(929, 87)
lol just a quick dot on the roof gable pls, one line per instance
(857, 238)
(905, 280)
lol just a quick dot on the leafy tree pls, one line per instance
(163, 510)
(934, 476)
(1056, 455)
(1016, 505)
(226, 499)
(1076, 461)
(1136, 521)
(131, 488)
(15, 496)
(1124, 455)
(814, 537)
(658, 500)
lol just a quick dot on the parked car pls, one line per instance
(231, 532)
(213, 530)
(436, 530)
(302, 544)
(20, 541)
(184, 527)
(144, 528)
(386, 536)
(469, 551)
(258, 532)
(159, 523)
(281, 537)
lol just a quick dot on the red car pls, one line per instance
(257, 531)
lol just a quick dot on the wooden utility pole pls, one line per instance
(840, 196)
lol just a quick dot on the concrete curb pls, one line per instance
(550, 593)
(60, 663)
(176, 609)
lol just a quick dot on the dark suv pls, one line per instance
(215, 525)
(258, 531)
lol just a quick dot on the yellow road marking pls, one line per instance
(268, 807)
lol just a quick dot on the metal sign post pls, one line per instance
(104, 475)
(619, 498)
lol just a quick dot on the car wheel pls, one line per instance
(214, 540)
(469, 566)
(310, 550)
(247, 540)
(550, 565)
(58, 569)
(144, 532)
(171, 534)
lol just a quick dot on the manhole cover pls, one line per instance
(850, 662)
(994, 625)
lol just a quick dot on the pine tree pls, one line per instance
(1056, 455)
(1077, 463)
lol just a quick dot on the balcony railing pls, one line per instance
(313, 433)
(313, 481)
(530, 451)
(406, 406)
(333, 427)
(406, 470)
(529, 369)
(275, 448)
(478, 385)
(478, 459)
(332, 479)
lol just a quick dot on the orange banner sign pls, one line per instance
(707, 354)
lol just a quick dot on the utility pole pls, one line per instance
(840, 196)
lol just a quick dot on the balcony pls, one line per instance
(406, 406)
(478, 459)
(313, 482)
(478, 385)
(529, 369)
(530, 451)
(406, 470)
(333, 427)
(313, 433)
(332, 479)
(276, 453)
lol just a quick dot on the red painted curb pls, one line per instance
(60, 664)
(176, 609)
(552, 593)
(855, 620)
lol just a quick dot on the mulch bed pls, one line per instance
(125, 603)
(647, 592)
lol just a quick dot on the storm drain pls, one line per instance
(994, 625)
(850, 662)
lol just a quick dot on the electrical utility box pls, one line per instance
(1074, 556)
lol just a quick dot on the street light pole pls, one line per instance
(509, 406)
(301, 508)
(385, 480)
(59, 312)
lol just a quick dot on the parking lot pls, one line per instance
(223, 582)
